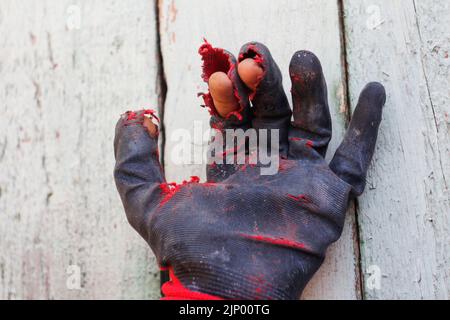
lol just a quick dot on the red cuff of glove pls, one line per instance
(174, 290)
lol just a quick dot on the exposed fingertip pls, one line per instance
(222, 92)
(151, 127)
(220, 85)
(250, 72)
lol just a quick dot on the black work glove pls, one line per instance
(243, 235)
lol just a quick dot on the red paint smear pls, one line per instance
(208, 103)
(236, 114)
(276, 241)
(300, 198)
(175, 290)
(285, 165)
(170, 189)
(131, 115)
(260, 284)
(218, 126)
(152, 113)
(252, 52)
(248, 165)
(194, 179)
(209, 184)
(243, 168)
(216, 60)
(234, 150)
(308, 143)
(298, 78)
(231, 150)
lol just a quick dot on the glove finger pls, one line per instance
(312, 120)
(271, 109)
(217, 60)
(137, 173)
(353, 156)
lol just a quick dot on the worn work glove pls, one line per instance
(243, 235)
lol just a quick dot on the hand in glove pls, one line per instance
(244, 235)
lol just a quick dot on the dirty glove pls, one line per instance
(244, 235)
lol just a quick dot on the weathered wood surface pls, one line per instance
(405, 213)
(63, 83)
(285, 27)
(69, 68)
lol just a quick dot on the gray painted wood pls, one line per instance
(62, 87)
(404, 214)
(285, 27)
(64, 81)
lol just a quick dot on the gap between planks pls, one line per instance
(359, 286)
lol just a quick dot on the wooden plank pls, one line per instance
(68, 69)
(285, 26)
(404, 215)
